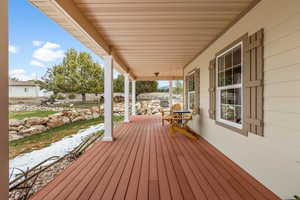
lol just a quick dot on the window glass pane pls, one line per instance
(237, 56)
(221, 63)
(221, 77)
(230, 96)
(228, 77)
(227, 112)
(237, 96)
(223, 97)
(229, 80)
(191, 100)
(223, 112)
(191, 84)
(228, 60)
(237, 75)
(230, 113)
(238, 115)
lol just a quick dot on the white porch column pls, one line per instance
(170, 93)
(126, 91)
(133, 98)
(4, 100)
(108, 99)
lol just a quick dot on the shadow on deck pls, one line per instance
(144, 162)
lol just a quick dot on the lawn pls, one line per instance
(41, 140)
(25, 114)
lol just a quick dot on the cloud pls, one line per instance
(37, 63)
(12, 49)
(20, 74)
(49, 52)
(37, 43)
(50, 45)
(17, 71)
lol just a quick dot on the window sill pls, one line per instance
(234, 129)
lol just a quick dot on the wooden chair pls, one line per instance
(178, 123)
(170, 116)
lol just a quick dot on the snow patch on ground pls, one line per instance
(59, 148)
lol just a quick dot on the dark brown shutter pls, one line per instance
(186, 84)
(197, 90)
(212, 89)
(253, 83)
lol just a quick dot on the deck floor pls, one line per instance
(144, 162)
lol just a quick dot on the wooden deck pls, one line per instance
(145, 163)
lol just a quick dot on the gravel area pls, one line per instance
(44, 178)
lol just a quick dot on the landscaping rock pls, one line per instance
(33, 130)
(12, 132)
(95, 115)
(36, 121)
(66, 120)
(95, 109)
(13, 136)
(16, 122)
(13, 128)
(55, 122)
(79, 118)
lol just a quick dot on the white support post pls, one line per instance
(4, 167)
(108, 99)
(170, 93)
(126, 91)
(133, 98)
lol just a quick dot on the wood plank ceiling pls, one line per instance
(154, 35)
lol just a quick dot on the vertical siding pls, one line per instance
(275, 158)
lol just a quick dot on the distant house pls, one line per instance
(23, 89)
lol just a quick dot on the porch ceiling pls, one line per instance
(146, 36)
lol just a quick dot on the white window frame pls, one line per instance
(189, 97)
(190, 92)
(218, 90)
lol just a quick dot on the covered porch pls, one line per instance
(144, 162)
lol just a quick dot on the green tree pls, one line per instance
(13, 79)
(141, 86)
(146, 86)
(77, 73)
(118, 84)
(178, 88)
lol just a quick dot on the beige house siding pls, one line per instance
(275, 158)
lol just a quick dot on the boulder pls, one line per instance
(95, 115)
(36, 121)
(19, 128)
(55, 122)
(95, 109)
(13, 128)
(13, 136)
(84, 111)
(66, 120)
(79, 118)
(16, 122)
(71, 114)
(33, 130)
(12, 132)
(56, 115)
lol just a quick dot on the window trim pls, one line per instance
(191, 74)
(227, 123)
(190, 92)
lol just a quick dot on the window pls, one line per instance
(191, 92)
(229, 106)
(191, 100)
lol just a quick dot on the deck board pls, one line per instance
(145, 163)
